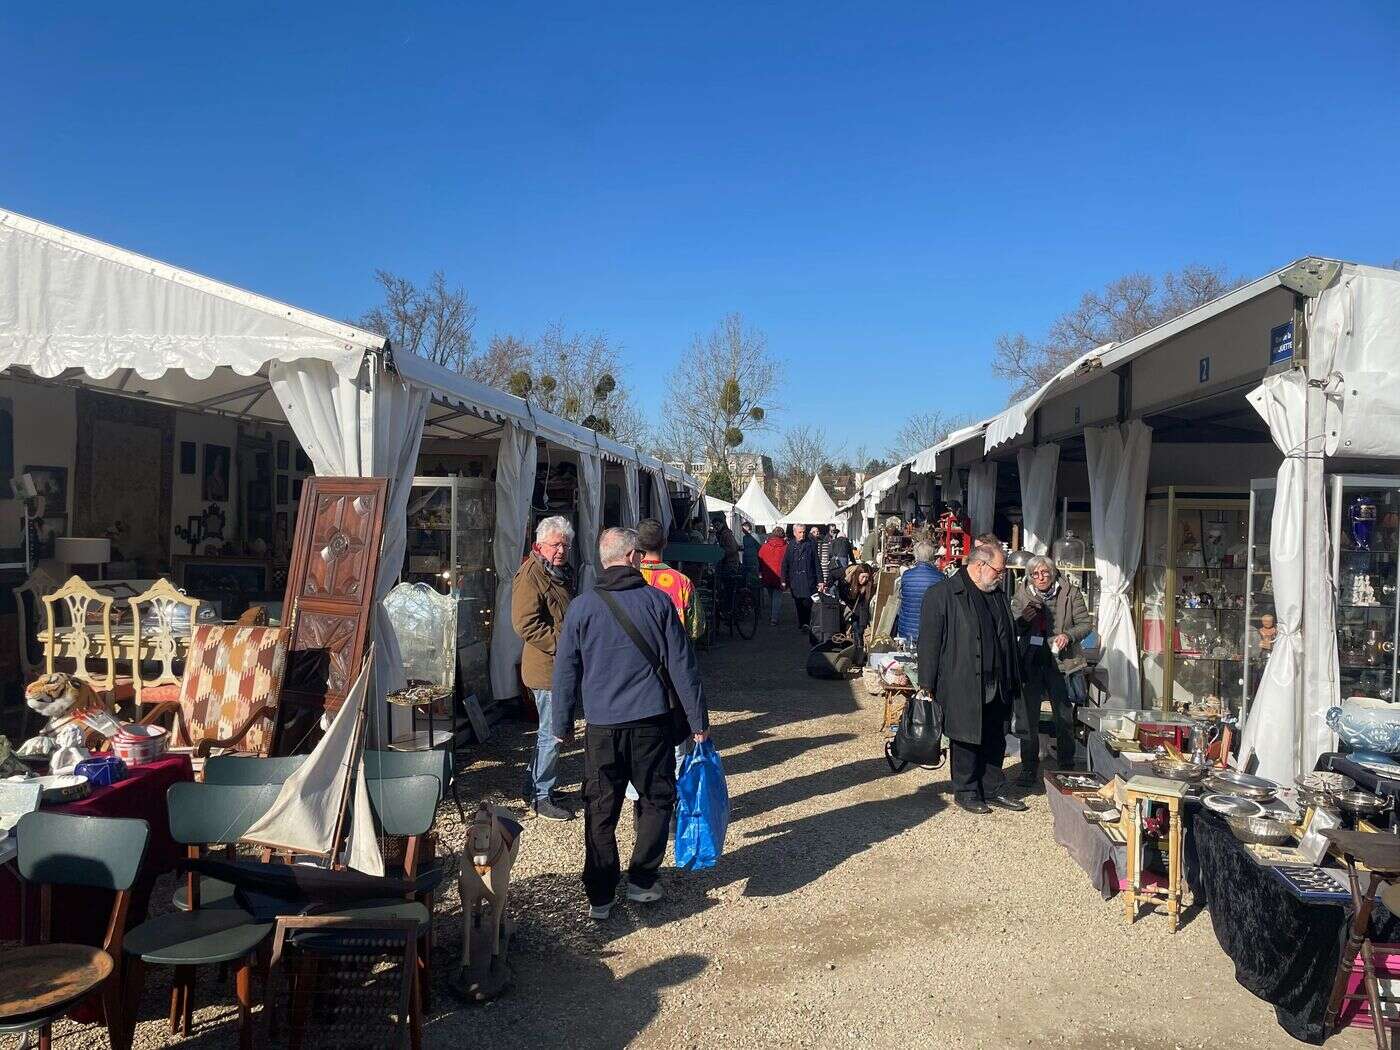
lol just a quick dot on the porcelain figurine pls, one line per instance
(64, 700)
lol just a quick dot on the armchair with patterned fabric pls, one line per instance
(230, 690)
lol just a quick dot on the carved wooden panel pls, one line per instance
(330, 588)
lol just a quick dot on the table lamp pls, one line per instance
(83, 550)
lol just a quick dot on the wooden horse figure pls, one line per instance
(492, 844)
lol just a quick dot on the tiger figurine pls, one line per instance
(62, 699)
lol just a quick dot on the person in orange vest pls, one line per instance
(673, 583)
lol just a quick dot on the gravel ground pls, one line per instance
(853, 908)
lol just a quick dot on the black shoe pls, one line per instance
(1015, 805)
(974, 805)
(552, 811)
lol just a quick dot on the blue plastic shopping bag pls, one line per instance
(702, 808)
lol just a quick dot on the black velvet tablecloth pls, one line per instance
(1285, 949)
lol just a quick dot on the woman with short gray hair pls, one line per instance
(1052, 619)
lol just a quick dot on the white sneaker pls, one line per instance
(600, 911)
(641, 896)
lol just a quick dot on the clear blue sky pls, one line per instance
(881, 188)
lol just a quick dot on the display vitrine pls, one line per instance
(1191, 596)
(451, 522)
(1073, 550)
(1364, 515)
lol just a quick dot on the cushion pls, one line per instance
(230, 672)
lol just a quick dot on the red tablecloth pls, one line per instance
(80, 915)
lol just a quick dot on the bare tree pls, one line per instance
(503, 357)
(722, 389)
(804, 451)
(1126, 307)
(924, 430)
(436, 322)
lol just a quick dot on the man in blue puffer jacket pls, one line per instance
(912, 585)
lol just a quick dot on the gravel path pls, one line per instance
(853, 908)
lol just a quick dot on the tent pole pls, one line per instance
(1312, 490)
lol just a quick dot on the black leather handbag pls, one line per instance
(919, 738)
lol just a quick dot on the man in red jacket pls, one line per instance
(770, 569)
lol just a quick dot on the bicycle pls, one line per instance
(738, 606)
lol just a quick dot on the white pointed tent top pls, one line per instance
(815, 508)
(756, 504)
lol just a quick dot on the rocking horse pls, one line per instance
(492, 845)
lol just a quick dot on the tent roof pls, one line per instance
(815, 508)
(755, 503)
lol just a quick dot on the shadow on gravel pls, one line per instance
(797, 852)
(775, 752)
(799, 789)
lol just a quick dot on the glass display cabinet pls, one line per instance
(1073, 550)
(451, 522)
(1365, 522)
(1191, 595)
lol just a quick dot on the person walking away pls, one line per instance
(800, 574)
(968, 662)
(540, 597)
(748, 554)
(727, 572)
(857, 592)
(913, 585)
(842, 554)
(620, 644)
(676, 585)
(1052, 619)
(770, 569)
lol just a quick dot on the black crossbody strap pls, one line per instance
(643, 646)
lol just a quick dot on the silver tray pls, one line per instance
(1232, 805)
(1233, 782)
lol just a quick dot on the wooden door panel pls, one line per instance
(330, 587)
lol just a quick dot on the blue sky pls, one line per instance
(881, 188)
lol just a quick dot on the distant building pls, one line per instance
(743, 466)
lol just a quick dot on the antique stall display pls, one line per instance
(330, 587)
(1192, 599)
(952, 536)
(1073, 552)
(69, 705)
(425, 623)
(451, 525)
(1365, 517)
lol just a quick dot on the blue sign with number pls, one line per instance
(1281, 343)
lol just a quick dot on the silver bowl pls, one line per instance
(1264, 830)
(1233, 782)
(1179, 769)
(1361, 803)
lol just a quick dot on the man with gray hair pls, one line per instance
(968, 660)
(624, 655)
(915, 582)
(540, 596)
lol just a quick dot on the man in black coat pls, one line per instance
(801, 574)
(968, 662)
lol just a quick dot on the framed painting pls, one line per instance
(216, 473)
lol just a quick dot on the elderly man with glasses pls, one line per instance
(968, 661)
(540, 596)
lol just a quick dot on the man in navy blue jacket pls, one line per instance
(801, 574)
(631, 730)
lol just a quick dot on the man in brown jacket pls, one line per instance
(539, 598)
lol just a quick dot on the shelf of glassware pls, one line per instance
(1073, 550)
(1192, 591)
(1365, 519)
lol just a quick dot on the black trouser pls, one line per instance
(804, 609)
(975, 769)
(1043, 677)
(613, 755)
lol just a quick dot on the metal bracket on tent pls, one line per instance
(1310, 276)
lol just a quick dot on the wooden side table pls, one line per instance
(1139, 793)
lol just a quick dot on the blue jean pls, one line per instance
(542, 772)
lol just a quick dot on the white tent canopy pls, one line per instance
(756, 504)
(815, 508)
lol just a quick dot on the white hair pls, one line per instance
(615, 544)
(555, 526)
(1041, 561)
(925, 551)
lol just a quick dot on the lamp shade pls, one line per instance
(82, 550)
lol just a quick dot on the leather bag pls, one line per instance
(919, 738)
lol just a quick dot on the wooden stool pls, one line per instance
(1379, 854)
(1139, 792)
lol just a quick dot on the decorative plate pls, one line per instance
(1232, 805)
(1325, 782)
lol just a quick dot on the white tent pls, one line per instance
(733, 513)
(80, 312)
(756, 504)
(815, 508)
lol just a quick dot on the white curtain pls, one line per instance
(982, 496)
(661, 501)
(515, 485)
(631, 496)
(1117, 492)
(368, 427)
(590, 511)
(1039, 469)
(1271, 731)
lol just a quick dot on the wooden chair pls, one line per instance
(95, 646)
(41, 982)
(156, 618)
(229, 691)
(29, 597)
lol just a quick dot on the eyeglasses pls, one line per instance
(1041, 572)
(559, 545)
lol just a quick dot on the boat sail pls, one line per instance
(308, 815)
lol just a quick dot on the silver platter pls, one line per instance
(1232, 805)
